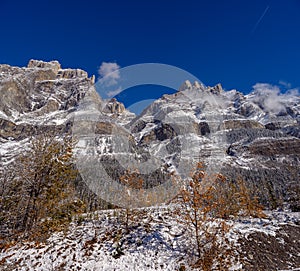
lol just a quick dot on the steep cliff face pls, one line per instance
(231, 132)
(39, 98)
(40, 89)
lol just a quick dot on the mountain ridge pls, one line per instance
(233, 133)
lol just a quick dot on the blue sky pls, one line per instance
(237, 43)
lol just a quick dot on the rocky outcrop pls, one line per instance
(270, 146)
(197, 85)
(186, 85)
(12, 131)
(162, 132)
(39, 89)
(114, 107)
(138, 126)
(165, 131)
(241, 123)
(247, 109)
(71, 73)
(56, 68)
(267, 252)
(109, 128)
(52, 65)
(272, 126)
(203, 128)
(7, 128)
(217, 89)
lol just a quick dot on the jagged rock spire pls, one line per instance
(186, 85)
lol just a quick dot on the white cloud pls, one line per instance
(115, 92)
(109, 72)
(285, 84)
(270, 97)
(109, 81)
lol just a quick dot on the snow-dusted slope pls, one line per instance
(156, 241)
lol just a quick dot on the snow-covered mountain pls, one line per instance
(237, 134)
(255, 137)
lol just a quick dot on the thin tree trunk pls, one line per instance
(197, 233)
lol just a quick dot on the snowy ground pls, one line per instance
(156, 241)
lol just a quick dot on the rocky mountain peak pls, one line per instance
(40, 88)
(217, 89)
(71, 73)
(114, 107)
(197, 85)
(186, 85)
(53, 65)
(56, 68)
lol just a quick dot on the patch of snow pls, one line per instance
(99, 242)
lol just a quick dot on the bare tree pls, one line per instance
(42, 192)
(132, 180)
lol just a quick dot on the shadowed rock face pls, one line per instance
(272, 147)
(254, 144)
(240, 124)
(272, 126)
(203, 128)
(138, 126)
(161, 133)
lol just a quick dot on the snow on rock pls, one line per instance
(156, 241)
